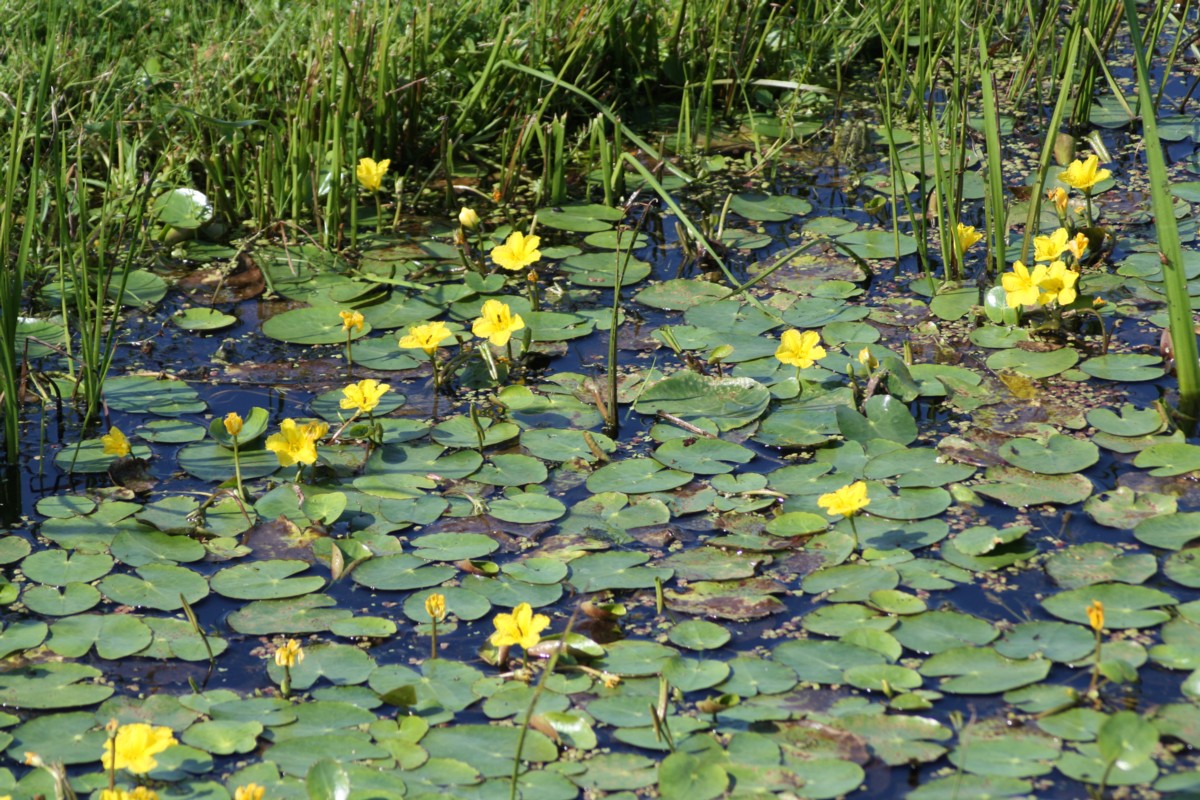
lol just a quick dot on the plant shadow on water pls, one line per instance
(721, 625)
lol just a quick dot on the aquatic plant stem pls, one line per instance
(433, 639)
(1179, 314)
(237, 468)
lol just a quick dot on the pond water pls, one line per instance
(936, 644)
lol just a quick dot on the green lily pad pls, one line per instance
(939, 631)
(615, 570)
(308, 613)
(680, 294)
(69, 738)
(582, 218)
(1058, 456)
(1124, 367)
(1126, 421)
(874, 244)
(749, 598)
(311, 325)
(223, 737)
(1097, 562)
(184, 208)
(886, 418)
(729, 402)
(599, 270)
(58, 568)
(1170, 531)
(141, 394)
(400, 572)
(48, 686)
(1124, 606)
(265, 580)
(699, 634)
(114, 635)
(636, 476)
(527, 508)
(1033, 364)
(157, 586)
(610, 515)
(1056, 641)
(1166, 460)
(557, 444)
(981, 670)
(769, 208)
(822, 661)
(703, 456)
(682, 776)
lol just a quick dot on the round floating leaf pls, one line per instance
(157, 586)
(254, 425)
(170, 431)
(886, 418)
(1166, 460)
(58, 568)
(1056, 641)
(682, 776)
(511, 469)
(615, 570)
(729, 402)
(703, 456)
(557, 444)
(1058, 456)
(679, 294)
(424, 460)
(599, 270)
(1124, 606)
(1169, 532)
(208, 461)
(265, 580)
(183, 208)
(48, 686)
(489, 749)
(981, 670)
(749, 598)
(364, 627)
(883, 677)
(635, 476)
(140, 394)
(203, 319)
(223, 737)
(69, 738)
(821, 661)
(1019, 488)
(1096, 562)
(310, 325)
(24, 635)
(462, 603)
(60, 601)
(583, 218)
(328, 405)
(1033, 364)
(461, 431)
(939, 631)
(309, 613)
(340, 664)
(527, 508)
(699, 634)
(400, 573)
(137, 548)
(509, 593)
(874, 244)
(1124, 367)
(453, 546)
(1126, 421)
(850, 583)
(769, 208)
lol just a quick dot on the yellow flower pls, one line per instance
(518, 251)
(435, 607)
(522, 628)
(295, 443)
(351, 320)
(251, 791)
(115, 443)
(1095, 614)
(233, 423)
(497, 323)
(134, 747)
(370, 172)
(469, 219)
(1058, 285)
(867, 360)
(1078, 246)
(1058, 196)
(800, 349)
(966, 236)
(426, 337)
(846, 501)
(137, 793)
(364, 395)
(290, 654)
(1021, 288)
(1048, 248)
(1083, 175)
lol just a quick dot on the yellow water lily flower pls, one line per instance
(800, 349)
(867, 360)
(296, 443)
(370, 172)
(290, 654)
(846, 501)
(469, 219)
(351, 320)
(522, 628)
(1095, 614)
(1021, 287)
(115, 443)
(364, 395)
(136, 793)
(135, 746)
(1083, 175)
(1078, 246)
(966, 235)
(497, 323)
(1058, 196)
(251, 791)
(1058, 285)
(518, 251)
(426, 337)
(435, 607)
(233, 423)
(1048, 248)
